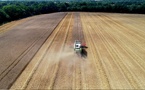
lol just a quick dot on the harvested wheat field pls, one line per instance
(37, 52)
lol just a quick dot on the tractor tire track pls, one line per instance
(77, 81)
(103, 82)
(32, 67)
(58, 68)
(112, 52)
(41, 77)
(10, 73)
(115, 57)
(135, 56)
(135, 63)
(131, 31)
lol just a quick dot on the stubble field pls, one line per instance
(38, 52)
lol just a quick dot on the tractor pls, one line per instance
(80, 48)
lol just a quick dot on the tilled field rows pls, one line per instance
(42, 70)
(21, 42)
(115, 57)
(117, 49)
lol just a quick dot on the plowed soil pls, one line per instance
(38, 53)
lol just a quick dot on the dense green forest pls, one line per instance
(13, 10)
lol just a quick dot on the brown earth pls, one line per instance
(115, 57)
(20, 44)
(10, 25)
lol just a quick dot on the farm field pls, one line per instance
(38, 53)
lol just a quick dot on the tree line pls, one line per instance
(13, 10)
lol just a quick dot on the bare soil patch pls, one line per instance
(19, 45)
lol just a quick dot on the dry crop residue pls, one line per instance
(21, 43)
(115, 58)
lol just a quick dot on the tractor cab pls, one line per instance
(79, 48)
(77, 44)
